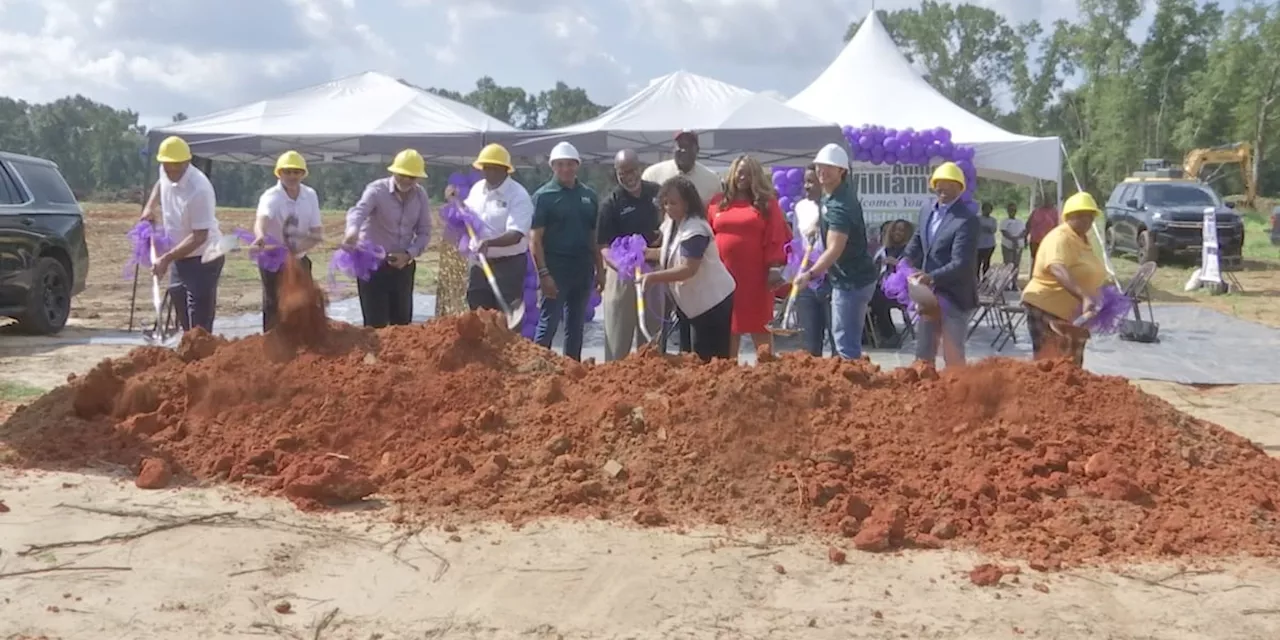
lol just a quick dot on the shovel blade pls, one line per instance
(515, 318)
(226, 244)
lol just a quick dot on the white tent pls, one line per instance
(361, 118)
(729, 120)
(871, 82)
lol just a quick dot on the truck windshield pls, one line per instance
(1179, 195)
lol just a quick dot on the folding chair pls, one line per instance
(1139, 291)
(990, 294)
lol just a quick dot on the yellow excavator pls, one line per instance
(1240, 153)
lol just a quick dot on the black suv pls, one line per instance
(44, 260)
(1158, 217)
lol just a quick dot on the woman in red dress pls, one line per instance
(751, 233)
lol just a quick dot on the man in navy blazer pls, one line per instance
(945, 249)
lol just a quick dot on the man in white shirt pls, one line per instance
(288, 215)
(188, 215)
(684, 162)
(1013, 235)
(505, 208)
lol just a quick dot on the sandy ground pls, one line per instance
(352, 576)
(346, 577)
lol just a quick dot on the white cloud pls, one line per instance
(163, 56)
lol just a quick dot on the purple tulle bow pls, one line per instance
(140, 238)
(270, 258)
(456, 217)
(627, 253)
(357, 263)
(895, 285)
(795, 255)
(1113, 306)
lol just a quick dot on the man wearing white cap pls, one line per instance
(845, 258)
(564, 251)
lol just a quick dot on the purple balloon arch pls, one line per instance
(878, 145)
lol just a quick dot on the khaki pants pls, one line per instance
(621, 330)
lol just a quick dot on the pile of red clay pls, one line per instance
(462, 419)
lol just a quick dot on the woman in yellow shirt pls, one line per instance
(1065, 280)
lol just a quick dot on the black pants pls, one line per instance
(193, 289)
(387, 298)
(710, 330)
(673, 322)
(271, 294)
(984, 260)
(509, 272)
(881, 320)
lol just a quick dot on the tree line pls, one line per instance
(1202, 76)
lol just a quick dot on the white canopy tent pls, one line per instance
(729, 120)
(871, 82)
(362, 118)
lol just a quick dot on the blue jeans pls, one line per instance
(574, 292)
(813, 311)
(951, 332)
(849, 317)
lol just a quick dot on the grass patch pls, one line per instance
(18, 391)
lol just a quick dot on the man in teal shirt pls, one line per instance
(564, 251)
(845, 260)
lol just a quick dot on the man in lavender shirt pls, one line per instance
(393, 213)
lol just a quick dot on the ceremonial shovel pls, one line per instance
(160, 332)
(515, 317)
(786, 324)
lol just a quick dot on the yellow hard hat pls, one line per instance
(173, 149)
(291, 160)
(947, 171)
(494, 154)
(409, 163)
(1080, 203)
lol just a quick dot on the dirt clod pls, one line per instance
(154, 474)
(283, 607)
(461, 417)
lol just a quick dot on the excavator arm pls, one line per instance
(1240, 153)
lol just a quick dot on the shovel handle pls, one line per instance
(640, 313)
(488, 274)
(795, 289)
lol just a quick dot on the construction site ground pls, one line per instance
(88, 555)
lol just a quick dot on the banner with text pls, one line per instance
(891, 192)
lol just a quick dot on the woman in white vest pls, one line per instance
(689, 264)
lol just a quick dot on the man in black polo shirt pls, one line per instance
(630, 209)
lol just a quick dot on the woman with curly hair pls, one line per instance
(751, 234)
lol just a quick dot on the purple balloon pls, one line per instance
(943, 135)
(780, 181)
(846, 129)
(875, 160)
(877, 152)
(866, 142)
(891, 158)
(891, 133)
(863, 155)
(948, 150)
(891, 144)
(964, 165)
(795, 175)
(785, 203)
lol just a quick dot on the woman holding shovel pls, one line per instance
(288, 220)
(1066, 279)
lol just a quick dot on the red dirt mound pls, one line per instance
(460, 416)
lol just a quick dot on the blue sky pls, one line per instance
(159, 57)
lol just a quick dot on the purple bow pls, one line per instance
(358, 262)
(1113, 306)
(140, 238)
(795, 256)
(627, 253)
(270, 258)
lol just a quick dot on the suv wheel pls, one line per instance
(49, 303)
(1147, 249)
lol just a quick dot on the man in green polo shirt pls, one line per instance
(563, 242)
(845, 259)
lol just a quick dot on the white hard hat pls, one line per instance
(565, 151)
(833, 155)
